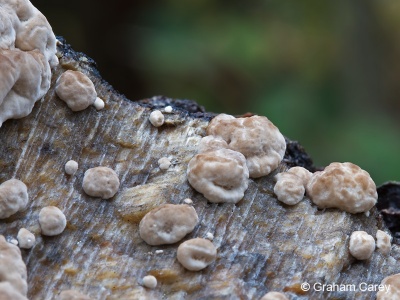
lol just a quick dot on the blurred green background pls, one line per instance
(325, 72)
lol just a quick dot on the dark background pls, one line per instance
(325, 72)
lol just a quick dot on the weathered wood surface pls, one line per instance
(262, 244)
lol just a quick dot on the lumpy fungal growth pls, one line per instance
(76, 89)
(71, 167)
(12, 270)
(13, 197)
(8, 292)
(52, 220)
(156, 118)
(383, 242)
(274, 296)
(361, 245)
(344, 186)
(101, 182)
(164, 163)
(167, 224)
(26, 239)
(99, 103)
(196, 254)
(221, 175)
(393, 290)
(289, 188)
(255, 137)
(301, 172)
(150, 281)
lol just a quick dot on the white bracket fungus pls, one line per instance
(196, 254)
(221, 175)
(361, 245)
(301, 172)
(211, 143)
(167, 224)
(383, 242)
(393, 292)
(71, 167)
(76, 89)
(101, 182)
(150, 281)
(27, 51)
(289, 188)
(8, 292)
(26, 239)
(274, 296)
(343, 185)
(52, 220)
(13, 197)
(255, 137)
(156, 118)
(12, 270)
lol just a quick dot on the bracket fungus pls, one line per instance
(256, 137)
(27, 52)
(76, 89)
(289, 188)
(12, 269)
(101, 182)
(343, 185)
(13, 197)
(361, 245)
(220, 175)
(167, 224)
(196, 254)
(52, 220)
(301, 172)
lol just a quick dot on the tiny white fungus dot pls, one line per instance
(164, 163)
(14, 242)
(99, 103)
(25, 238)
(159, 251)
(156, 118)
(150, 281)
(209, 236)
(71, 167)
(168, 109)
(188, 201)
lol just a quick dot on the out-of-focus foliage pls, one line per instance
(325, 72)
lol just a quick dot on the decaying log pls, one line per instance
(263, 245)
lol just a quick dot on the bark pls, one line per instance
(262, 244)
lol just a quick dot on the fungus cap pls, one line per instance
(383, 242)
(99, 103)
(25, 78)
(301, 172)
(211, 143)
(274, 296)
(156, 118)
(12, 267)
(26, 239)
(71, 167)
(168, 109)
(76, 89)
(289, 188)
(196, 254)
(8, 292)
(167, 224)
(256, 137)
(220, 175)
(101, 182)
(13, 197)
(343, 185)
(393, 293)
(150, 281)
(52, 220)
(72, 295)
(361, 245)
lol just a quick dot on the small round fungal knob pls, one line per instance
(196, 254)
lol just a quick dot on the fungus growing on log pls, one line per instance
(196, 254)
(13, 197)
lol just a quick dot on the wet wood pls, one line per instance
(263, 245)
